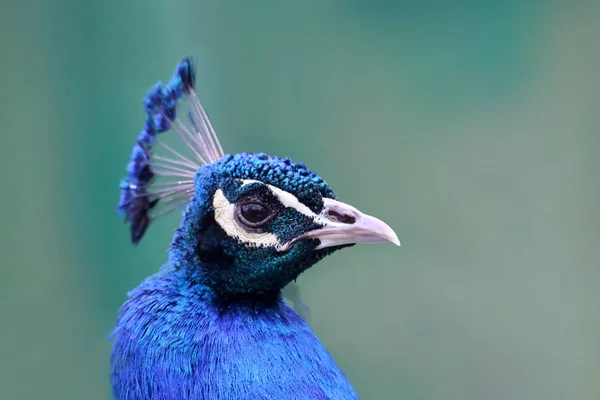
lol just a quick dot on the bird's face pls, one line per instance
(257, 222)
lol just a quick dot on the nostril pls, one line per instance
(336, 216)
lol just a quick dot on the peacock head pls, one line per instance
(253, 222)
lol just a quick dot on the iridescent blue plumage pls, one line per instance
(212, 324)
(160, 105)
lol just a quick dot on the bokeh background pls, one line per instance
(472, 130)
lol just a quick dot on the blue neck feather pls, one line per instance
(176, 340)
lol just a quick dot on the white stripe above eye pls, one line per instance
(289, 200)
(225, 217)
(286, 198)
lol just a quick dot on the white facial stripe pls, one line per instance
(286, 198)
(225, 211)
(289, 200)
(224, 215)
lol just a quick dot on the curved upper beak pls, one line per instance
(344, 224)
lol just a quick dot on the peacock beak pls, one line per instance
(344, 224)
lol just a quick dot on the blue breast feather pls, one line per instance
(172, 342)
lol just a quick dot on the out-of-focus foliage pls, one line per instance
(473, 131)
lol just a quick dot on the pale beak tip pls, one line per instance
(393, 238)
(388, 233)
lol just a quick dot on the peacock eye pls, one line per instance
(254, 215)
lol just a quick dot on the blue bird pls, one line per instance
(212, 323)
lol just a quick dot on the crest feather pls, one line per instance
(156, 185)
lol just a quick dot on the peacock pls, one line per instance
(212, 322)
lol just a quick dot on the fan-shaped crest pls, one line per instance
(155, 184)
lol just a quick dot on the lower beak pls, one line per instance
(344, 224)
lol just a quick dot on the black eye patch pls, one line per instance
(258, 193)
(256, 206)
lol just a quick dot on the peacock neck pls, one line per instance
(176, 339)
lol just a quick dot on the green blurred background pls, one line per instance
(473, 131)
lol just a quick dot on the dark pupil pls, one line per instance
(254, 212)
